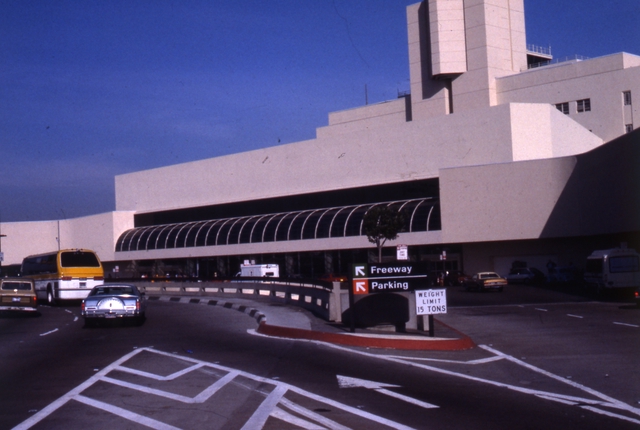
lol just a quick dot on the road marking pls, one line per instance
(628, 325)
(349, 382)
(542, 310)
(49, 332)
(571, 400)
(272, 406)
(574, 316)
(478, 361)
(260, 416)
(131, 416)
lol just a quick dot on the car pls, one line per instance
(18, 294)
(482, 281)
(114, 301)
(525, 275)
(455, 278)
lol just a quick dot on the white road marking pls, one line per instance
(326, 422)
(131, 416)
(439, 360)
(624, 324)
(542, 310)
(608, 401)
(349, 382)
(270, 407)
(293, 420)
(574, 316)
(260, 416)
(49, 332)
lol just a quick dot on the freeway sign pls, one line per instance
(385, 277)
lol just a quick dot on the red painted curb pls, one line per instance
(368, 341)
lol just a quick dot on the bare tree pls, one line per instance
(380, 224)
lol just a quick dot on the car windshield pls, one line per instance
(488, 275)
(101, 291)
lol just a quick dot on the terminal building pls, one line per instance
(497, 156)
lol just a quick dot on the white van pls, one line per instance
(260, 270)
(612, 269)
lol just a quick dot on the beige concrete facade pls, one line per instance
(476, 118)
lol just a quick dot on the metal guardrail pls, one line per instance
(313, 296)
(544, 50)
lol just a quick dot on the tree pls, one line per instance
(380, 224)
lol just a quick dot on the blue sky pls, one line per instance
(93, 89)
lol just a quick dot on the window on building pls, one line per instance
(628, 128)
(626, 95)
(563, 107)
(584, 105)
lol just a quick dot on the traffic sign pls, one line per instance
(402, 252)
(385, 277)
(431, 302)
(360, 286)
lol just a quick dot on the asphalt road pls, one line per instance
(544, 360)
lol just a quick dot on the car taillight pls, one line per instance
(82, 307)
(137, 305)
(98, 278)
(66, 278)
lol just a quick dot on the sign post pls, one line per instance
(430, 302)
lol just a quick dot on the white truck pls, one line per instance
(260, 270)
(613, 268)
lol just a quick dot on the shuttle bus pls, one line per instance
(68, 274)
(613, 268)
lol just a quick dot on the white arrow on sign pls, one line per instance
(360, 286)
(348, 382)
(360, 271)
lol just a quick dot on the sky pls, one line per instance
(97, 88)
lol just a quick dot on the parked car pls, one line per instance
(525, 275)
(455, 277)
(483, 281)
(18, 294)
(114, 301)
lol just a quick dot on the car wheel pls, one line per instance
(501, 289)
(88, 323)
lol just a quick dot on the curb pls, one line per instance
(370, 341)
(402, 342)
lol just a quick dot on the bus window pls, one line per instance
(79, 259)
(623, 264)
